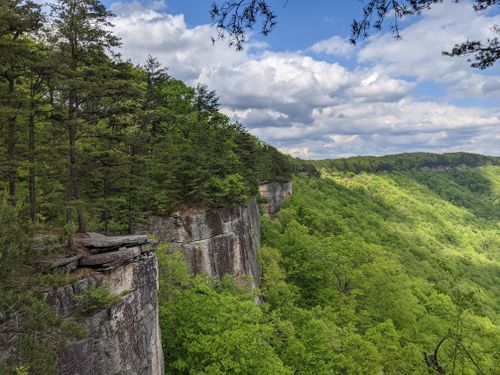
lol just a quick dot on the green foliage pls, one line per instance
(274, 286)
(173, 273)
(35, 330)
(97, 298)
(468, 188)
(360, 275)
(230, 189)
(387, 265)
(92, 141)
(38, 330)
(55, 279)
(15, 241)
(211, 327)
(406, 162)
(22, 370)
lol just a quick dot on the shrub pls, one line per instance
(97, 298)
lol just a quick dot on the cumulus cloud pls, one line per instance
(287, 83)
(313, 108)
(378, 88)
(299, 152)
(419, 53)
(186, 51)
(335, 46)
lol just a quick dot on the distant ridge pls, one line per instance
(407, 161)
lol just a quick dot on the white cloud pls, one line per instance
(186, 51)
(379, 88)
(335, 46)
(419, 53)
(288, 83)
(298, 152)
(315, 109)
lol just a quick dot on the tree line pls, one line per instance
(406, 162)
(90, 140)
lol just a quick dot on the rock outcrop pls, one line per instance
(124, 336)
(220, 241)
(216, 241)
(275, 195)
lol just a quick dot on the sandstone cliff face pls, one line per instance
(220, 241)
(275, 193)
(216, 241)
(124, 337)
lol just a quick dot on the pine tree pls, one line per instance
(82, 38)
(207, 102)
(18, 19)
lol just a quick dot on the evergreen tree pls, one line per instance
(18, 19)
(207, 102)
(82, 40)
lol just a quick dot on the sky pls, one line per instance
(307, 91)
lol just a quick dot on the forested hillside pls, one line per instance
(405, 162)
(362, 274)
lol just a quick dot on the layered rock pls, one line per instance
(124, 337)
(216, 241)
(275, 195)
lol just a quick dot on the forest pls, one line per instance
(405, 162)
(390, 273)
(90, 140)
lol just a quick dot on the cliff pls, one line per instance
(216, 241)
(275, 195)
(115, 295)
(220, 241)
(124, 336)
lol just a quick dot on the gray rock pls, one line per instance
(99, 244)
(67, 263)
(275, 193)
(151, 246)
(113, 257)
(216, 241)
(62, 299)
(124, 338)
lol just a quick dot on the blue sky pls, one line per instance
(306, 90)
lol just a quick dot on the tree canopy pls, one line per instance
(90, 140)
(393, 273)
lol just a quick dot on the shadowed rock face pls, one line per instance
(124, 337)
(216, 241)
(275, 193)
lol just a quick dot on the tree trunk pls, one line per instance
(74, 183)
(11, 146)
(55, 125)
(32, 171)
(71, 142)
(130, 197)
